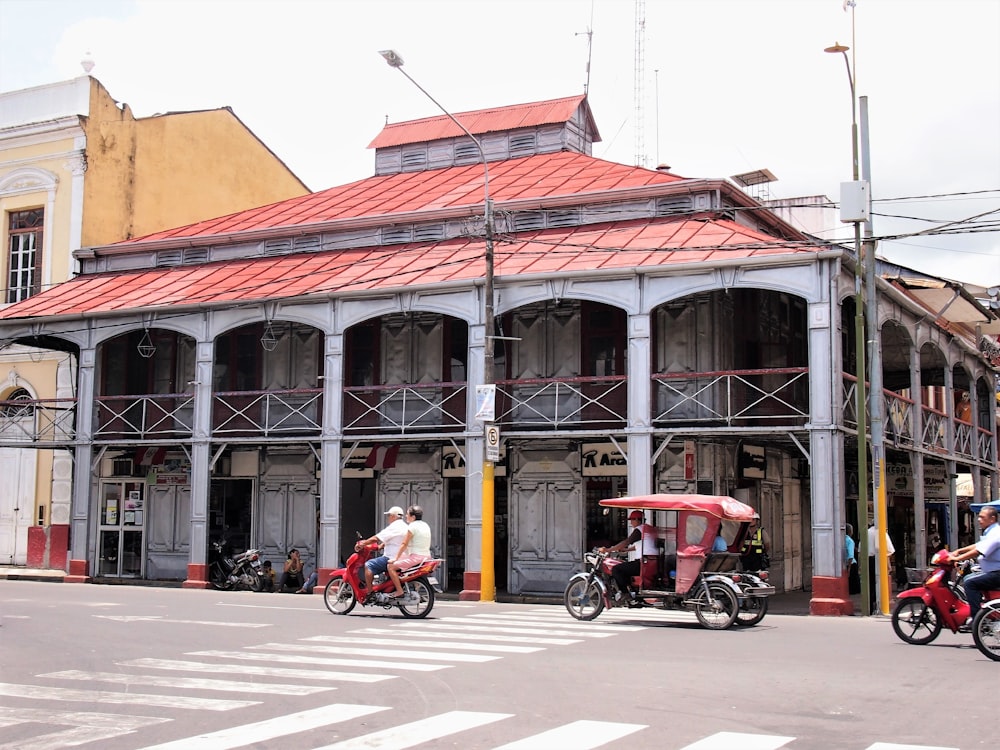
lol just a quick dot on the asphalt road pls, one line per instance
(123, 667)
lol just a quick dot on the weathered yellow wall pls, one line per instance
(171, 170)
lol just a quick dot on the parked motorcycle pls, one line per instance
(228, 573)
(753, 605)
(922, 611)
(346, 587)
(986, 630)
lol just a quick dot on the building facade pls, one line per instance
(280, 376)
(77, 169)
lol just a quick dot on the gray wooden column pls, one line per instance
(640, 400)
(83, 543)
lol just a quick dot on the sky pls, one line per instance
(721, 87)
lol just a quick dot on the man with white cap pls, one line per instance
(391, 538)
(623, 572)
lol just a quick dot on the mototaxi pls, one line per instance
(684, 573)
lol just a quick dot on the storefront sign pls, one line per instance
(899, 481)
(354, 465)
(753, 461)
(453, 462)
(602, 460)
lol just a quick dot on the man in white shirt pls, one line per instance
(872, 558)
(391, 537)
(416, 547)
(988, 546)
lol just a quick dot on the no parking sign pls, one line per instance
(492, 442)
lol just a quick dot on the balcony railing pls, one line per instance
(732, 397)
(563, 403)
(144, 417)
(413, 407)
(295, 412)
(899, 413)
(37, 421)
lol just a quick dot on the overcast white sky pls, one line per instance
(731, 86)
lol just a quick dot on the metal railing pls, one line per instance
(563, 403)
(732, 397)
(415, 407)
(295, 411)
(144, 417)
(50, 420)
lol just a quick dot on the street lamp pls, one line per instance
(487, 585)
(865, 269)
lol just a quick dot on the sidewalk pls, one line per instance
(20, 573)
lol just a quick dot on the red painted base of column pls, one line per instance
(38, 540)
(196, 577)
(471, 587)
(324, 578)
(58, 546)
(78, 572)
(830, 597)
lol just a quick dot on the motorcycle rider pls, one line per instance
(391, 537)
(416, 546)
(988, 578)
(623, 572)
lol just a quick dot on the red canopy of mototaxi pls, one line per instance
(720, 506)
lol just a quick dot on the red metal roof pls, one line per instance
(493, 120)
(642, 243)
(540, 176)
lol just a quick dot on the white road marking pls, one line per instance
(84, 727)
(412, 644)
(579, 735)
(473, 637)
(193, 683)
(270, 729)
(387, 662)
(567, 622)
(377, 652)
(156, 618)
(300, 674)
(742, 740)
(894, 746)
(462, 623)
(97, 697)
(418, 732)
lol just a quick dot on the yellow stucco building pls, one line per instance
(78, 169)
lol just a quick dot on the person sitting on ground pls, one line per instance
(391, 537)
(310, 584)
(292, 576)
(416, 546)
(267, 573)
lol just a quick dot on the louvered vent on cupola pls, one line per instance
(466, 153)
(673, 206)
(413, 159)
(169, 258)
(528, 220)
(277, 247)
(307, 243)
(396, 235)
(562, 218)
(428, 232)
(523, 144)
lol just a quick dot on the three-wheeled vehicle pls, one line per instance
(683, 573)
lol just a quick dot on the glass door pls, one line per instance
(120, 538)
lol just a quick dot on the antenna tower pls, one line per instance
(640, 75)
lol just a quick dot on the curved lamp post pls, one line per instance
(487, 585)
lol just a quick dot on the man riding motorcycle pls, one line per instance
(988, 546)
(624, 572)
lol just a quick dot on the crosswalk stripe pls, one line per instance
(158, 618)
(894, 746)
(301, 674)
(379, 652)
(387, 662)
(407, 642)
(742, 740)
(96, 697)
(579, 735)
(425, 633)
(271, 729)
(418, 732)
(194, 683)
(462, 623)
(85, 727)
(566, 622)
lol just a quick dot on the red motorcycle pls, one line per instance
(347, 587)
(921, 612)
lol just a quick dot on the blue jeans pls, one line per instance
(378, 565)
(976, 584)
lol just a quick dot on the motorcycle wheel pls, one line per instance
(338, 596)
(986, 632)
(914, 622)
(218, 580)
(752, 610)
(717, 608)
(425, 592)
(582, 602)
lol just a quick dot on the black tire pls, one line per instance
(422, 608)
(915, 622)
(583, 602)
(717, 609)
(339, 596)
(752, 610)
(217, 579)
(986, 632)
